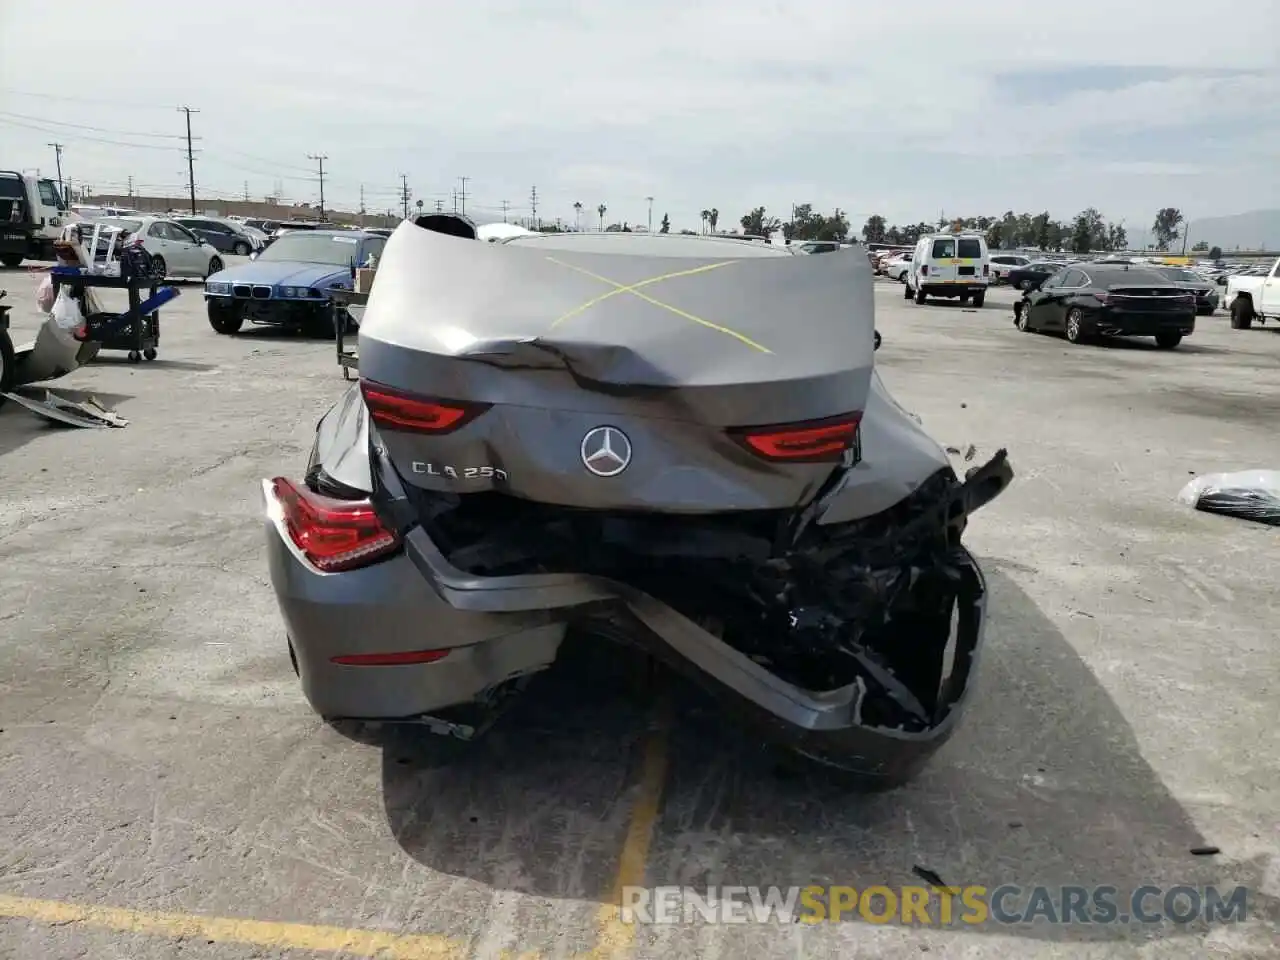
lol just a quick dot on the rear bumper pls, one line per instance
(954, 288)
(501, 627)
(1143, 325)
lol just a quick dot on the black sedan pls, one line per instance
(222, 236)
(1111, 300)
(1020, 278)
(1205, 290)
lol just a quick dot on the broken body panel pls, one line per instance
(828, 597)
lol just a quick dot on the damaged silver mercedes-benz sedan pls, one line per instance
(674, 442)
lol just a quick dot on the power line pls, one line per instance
(100, 103)
(320, 158)
(191, 159)
(83, 126)
(53, 130)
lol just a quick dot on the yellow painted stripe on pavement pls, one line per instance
(615, 938)
(380, 944)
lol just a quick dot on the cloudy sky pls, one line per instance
(902, 109)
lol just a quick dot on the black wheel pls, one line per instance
(11, 260)
(1241, 314)
(979, 299)
(135, 356)
(215, 265)
(8, 364)
(920, 295)
(1022, 316)
(964, 299)
(1167, 340)
(241, 249)
(1016, 284)
(149, 353)
(159, 269)
(1075, 325)
(225, 318)
(906, 291)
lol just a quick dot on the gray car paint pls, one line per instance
(443, 324)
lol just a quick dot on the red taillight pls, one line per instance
(924, 270)
(399, 410)
(815, 441)
(405, 658)
(986, 269)
(332, 534)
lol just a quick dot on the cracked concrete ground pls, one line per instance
(165, 791)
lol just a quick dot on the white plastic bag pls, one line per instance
(44, 295)
(1248, 494)
(66, 317)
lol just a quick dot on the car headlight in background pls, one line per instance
(218, 289)
(295, 292)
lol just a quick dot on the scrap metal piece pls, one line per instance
(58, 409)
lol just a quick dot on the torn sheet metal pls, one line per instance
(89, 413)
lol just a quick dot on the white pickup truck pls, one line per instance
(1250, 298)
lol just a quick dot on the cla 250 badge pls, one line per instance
(458, 473)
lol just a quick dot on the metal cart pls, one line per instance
(137, 330)
(339, 301)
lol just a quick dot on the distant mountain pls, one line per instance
(1256, 230)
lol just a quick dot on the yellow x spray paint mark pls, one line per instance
(635, 288)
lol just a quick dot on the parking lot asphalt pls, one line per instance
(166, 792)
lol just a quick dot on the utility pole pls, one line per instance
(362, 199)
(131, 185)
(506, 205)
(650, 199)
(57, 152)
(1186, 229)
(320, 158)
(533, 208)
(246, 191)
(191, 159)
(462, 194)
(455, 199)
(404, 193)
(439, 206)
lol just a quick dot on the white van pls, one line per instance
(949, 265)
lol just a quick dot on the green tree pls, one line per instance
(705, 217)
(713, 217)
(1201, 246)
(1215, 253)
(688, 233)
(601, 211)
(873, 231)
(665, 226)
(1117, 238)
(1165, 228)
(1088, 231)
(759, 223)
(995, 235)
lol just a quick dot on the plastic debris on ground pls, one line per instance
(88, 413)
(1248, 494)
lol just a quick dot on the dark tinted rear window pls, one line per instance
(1108, 276)
(11, 188)
(969, 249)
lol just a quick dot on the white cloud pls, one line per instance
(727, 103)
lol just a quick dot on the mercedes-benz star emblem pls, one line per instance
(606, 451)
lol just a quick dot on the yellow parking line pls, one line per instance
(634, 288)
(381, 944)
(615, 938)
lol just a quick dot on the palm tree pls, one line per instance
(713, 217)
(705, 215)
(577, 215)
(600, 210)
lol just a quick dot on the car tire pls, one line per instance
(1016, 284)
(225, 318)
(11, 260)
(1241, 314)
(1022, 316)
(1074, 327)
(215, 266)
(979, 299)
(241, 249)
(920, 297)
(159, 269)
(8, 364)
(1167, 341)
(906, 290)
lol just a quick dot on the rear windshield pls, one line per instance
(944, 248)
(1184, 275)
(11, 188)
(970, 249)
